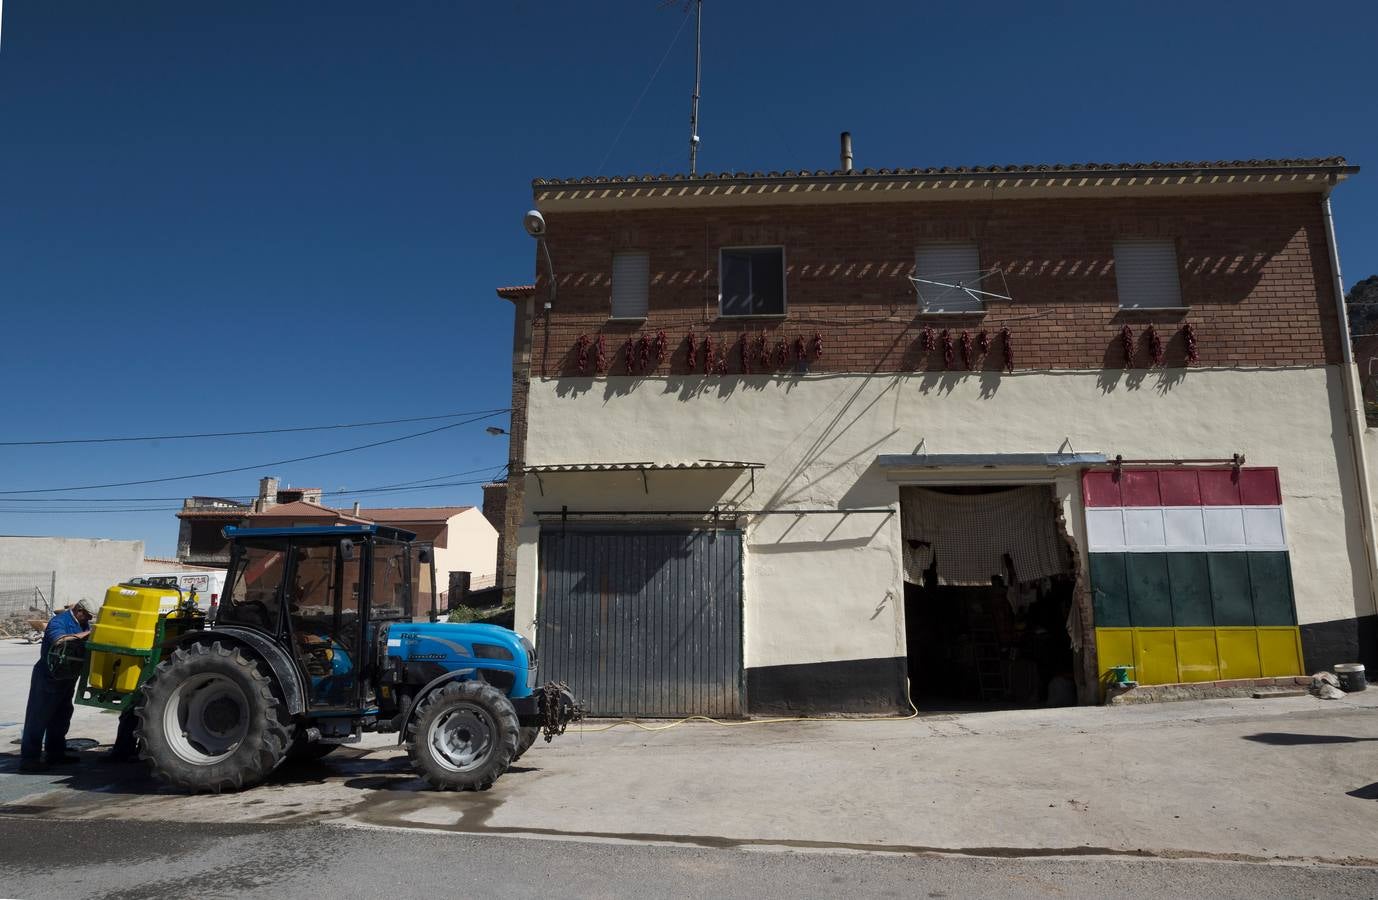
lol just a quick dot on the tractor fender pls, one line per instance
(431, 686)
(284, 671)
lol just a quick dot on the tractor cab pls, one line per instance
(324, 593)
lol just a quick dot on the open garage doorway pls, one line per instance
(989, 601)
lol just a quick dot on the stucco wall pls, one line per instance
(85, 567)
(471, 545)
(828, 587)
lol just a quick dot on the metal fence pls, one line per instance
(27, 594)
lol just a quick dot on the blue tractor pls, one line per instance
(323, 633)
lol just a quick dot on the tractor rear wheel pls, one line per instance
(463, 737)
(524, 742)
(210, 721)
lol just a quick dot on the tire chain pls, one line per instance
(554, 725)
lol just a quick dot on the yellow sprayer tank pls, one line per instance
(127, 619)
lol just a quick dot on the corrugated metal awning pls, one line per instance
(642, 466)
(698, 465)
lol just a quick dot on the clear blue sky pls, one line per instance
(231, 215)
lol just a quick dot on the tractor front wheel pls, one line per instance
(210, 721)
(463, 737)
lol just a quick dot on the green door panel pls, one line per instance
(1271, 580)
(1190, 579)
(1231, 595)
(1109, 589)
(1150, 603)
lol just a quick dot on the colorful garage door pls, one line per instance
(1190, 574)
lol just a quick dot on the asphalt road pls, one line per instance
(43, 859)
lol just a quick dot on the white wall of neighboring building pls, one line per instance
(829, 587)
(471, 545)
(85, 567)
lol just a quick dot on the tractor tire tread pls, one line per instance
(264, 747)
(505, 749)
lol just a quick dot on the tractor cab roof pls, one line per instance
(386, 532)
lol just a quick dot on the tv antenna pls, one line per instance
(698, 80)
(960, 291)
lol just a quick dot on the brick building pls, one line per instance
(794, 441)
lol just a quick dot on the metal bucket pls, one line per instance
(1351, 676)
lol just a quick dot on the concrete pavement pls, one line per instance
(1290, 779)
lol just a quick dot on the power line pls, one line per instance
(217, 434)
(41, 512)
(249, 498)
(279, 462)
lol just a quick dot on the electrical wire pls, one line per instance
(217, 434)
(279, 462)
(247, 498)
(637, 104)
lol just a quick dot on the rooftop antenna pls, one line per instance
(698, 77)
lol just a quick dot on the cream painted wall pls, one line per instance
(828, 587)
(471, 545)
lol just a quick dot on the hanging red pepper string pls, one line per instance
(629, 356)
(601, 360)
(927, 340)
(817, 348)
(693, 351)
(582, 350)
(781, 355)
(662, 347)
(946, 339)
(1189, 338)
(1008, 348)
(982, 343)
(746, 354)
(801, 353)
(708, 363)
(1155, 345)
(643, 354)
(966, 348)
(763, 350)
(1127, 345)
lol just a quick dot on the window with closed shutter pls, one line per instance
(1146, 274)
(951, 262)
(631, 284)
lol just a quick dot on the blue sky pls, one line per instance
(220, 216)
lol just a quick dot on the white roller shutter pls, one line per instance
(631, 283)
(1146, 274)
(950, 262)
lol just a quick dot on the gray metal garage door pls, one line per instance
(644, 623)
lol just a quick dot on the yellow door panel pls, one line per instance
(1238, 652)
(1156, 657)
(1197, 658)
(1279, 651)
(1114, 647)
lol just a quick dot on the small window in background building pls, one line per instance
(1146, 274)
(950, 263)
(631, 284)
(751, 281)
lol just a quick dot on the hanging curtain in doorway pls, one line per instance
(968, 535)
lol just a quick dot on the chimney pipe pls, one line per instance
(846, 151)
(356, 507)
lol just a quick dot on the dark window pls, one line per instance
(752, 281)
(252, 597)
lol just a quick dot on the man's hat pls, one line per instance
(84, 605)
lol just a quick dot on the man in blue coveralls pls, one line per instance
(49, 712)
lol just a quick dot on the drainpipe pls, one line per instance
(1354, 413)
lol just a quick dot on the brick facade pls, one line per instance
(1253, 270)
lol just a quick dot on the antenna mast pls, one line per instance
(698, 78)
